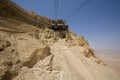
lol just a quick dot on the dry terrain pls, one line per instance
(33, 50)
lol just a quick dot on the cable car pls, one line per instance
(59, 25)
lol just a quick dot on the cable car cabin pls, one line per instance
(59, 25)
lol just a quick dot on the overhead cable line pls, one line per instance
(56, 6)
(77, 9)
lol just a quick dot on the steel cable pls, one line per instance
(77, 9)
(56, 6)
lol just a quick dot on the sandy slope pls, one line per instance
(75, 66)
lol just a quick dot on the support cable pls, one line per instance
(56, 6)
(77, 9)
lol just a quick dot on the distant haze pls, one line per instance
(111, 58)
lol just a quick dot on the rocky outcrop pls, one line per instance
(11, 10)
(43, 55)
(18, 51)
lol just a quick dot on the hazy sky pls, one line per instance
(98, 21)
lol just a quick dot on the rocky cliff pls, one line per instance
(28, 52)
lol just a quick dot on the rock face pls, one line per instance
(42, 55)
(30, 53)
